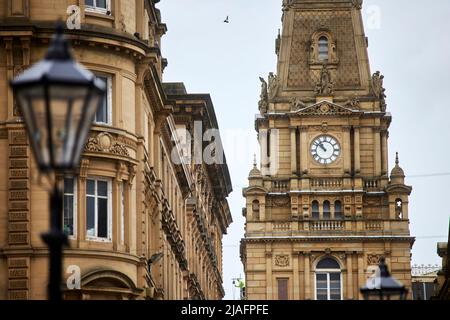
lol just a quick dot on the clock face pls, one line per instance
(325, 149)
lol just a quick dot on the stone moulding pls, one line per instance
(282, 261)
(106, 143)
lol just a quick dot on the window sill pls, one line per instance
(102, 124)
(98, 240)
(98, 14)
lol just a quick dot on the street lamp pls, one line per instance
(383, 286)
(58, 99)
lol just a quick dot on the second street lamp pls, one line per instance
(58, 99)
(383, 286)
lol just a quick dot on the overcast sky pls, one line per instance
(408, 43)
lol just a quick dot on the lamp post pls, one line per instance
(383, 286)
(58, 99)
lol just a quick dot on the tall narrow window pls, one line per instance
(256, 209)
(328, 280)
(98, 209)
(323, 49)
(283, 293)
(399, 208)
(315, 210)
(103, 115)
(326, 210)
(69, 205)
(338, 210)
(101, 6)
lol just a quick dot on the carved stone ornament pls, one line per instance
(281, 201)
(282, 261)
(263, 104)
(105, 142)
(273, 85)
(325, 85)
(297, 104)
(353, 103)
(377, 85)
(373, 259)
(325, 108)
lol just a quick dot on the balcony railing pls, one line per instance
(372, 184)
(327, 225)
(280, 186)
(374, 225)
(327, 183)
(351, 226)
(281, 226)
(424, 270)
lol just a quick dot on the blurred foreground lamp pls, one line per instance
(383, 286)
(58, 99)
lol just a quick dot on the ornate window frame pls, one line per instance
(328, 272)
(314, 48)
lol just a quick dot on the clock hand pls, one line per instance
(323, 148)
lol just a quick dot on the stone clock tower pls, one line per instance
(322, 208)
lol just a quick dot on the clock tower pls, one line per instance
(322, 208)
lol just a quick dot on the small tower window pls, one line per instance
(399, 208)
(323, 49)
(255, 208)
(338, 210)
(326, 210)
(315, 210)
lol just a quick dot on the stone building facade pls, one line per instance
(323, 208)
(443, 276)
(140, 225)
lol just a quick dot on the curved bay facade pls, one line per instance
(140, 225)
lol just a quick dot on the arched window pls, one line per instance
(338, 210)
(255, 209)
(328, 280)
(323, 49)
(326, 210)
(399, 208)
(315, 210)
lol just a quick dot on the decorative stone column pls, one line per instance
(308, 288)
(377, 150)
(303, 148)
(357, 146)
(347, 153)
(263, 142)
(295, 278)
(349, 275)
(269, 282)
(294, 150)
(361, 277)
(384, 150)
(19, 216)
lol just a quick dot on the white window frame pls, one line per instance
(96, 9)
(109, 208)
(109, 93)
(328, 272)
(75, 206)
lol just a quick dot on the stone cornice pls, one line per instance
(271, 239)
